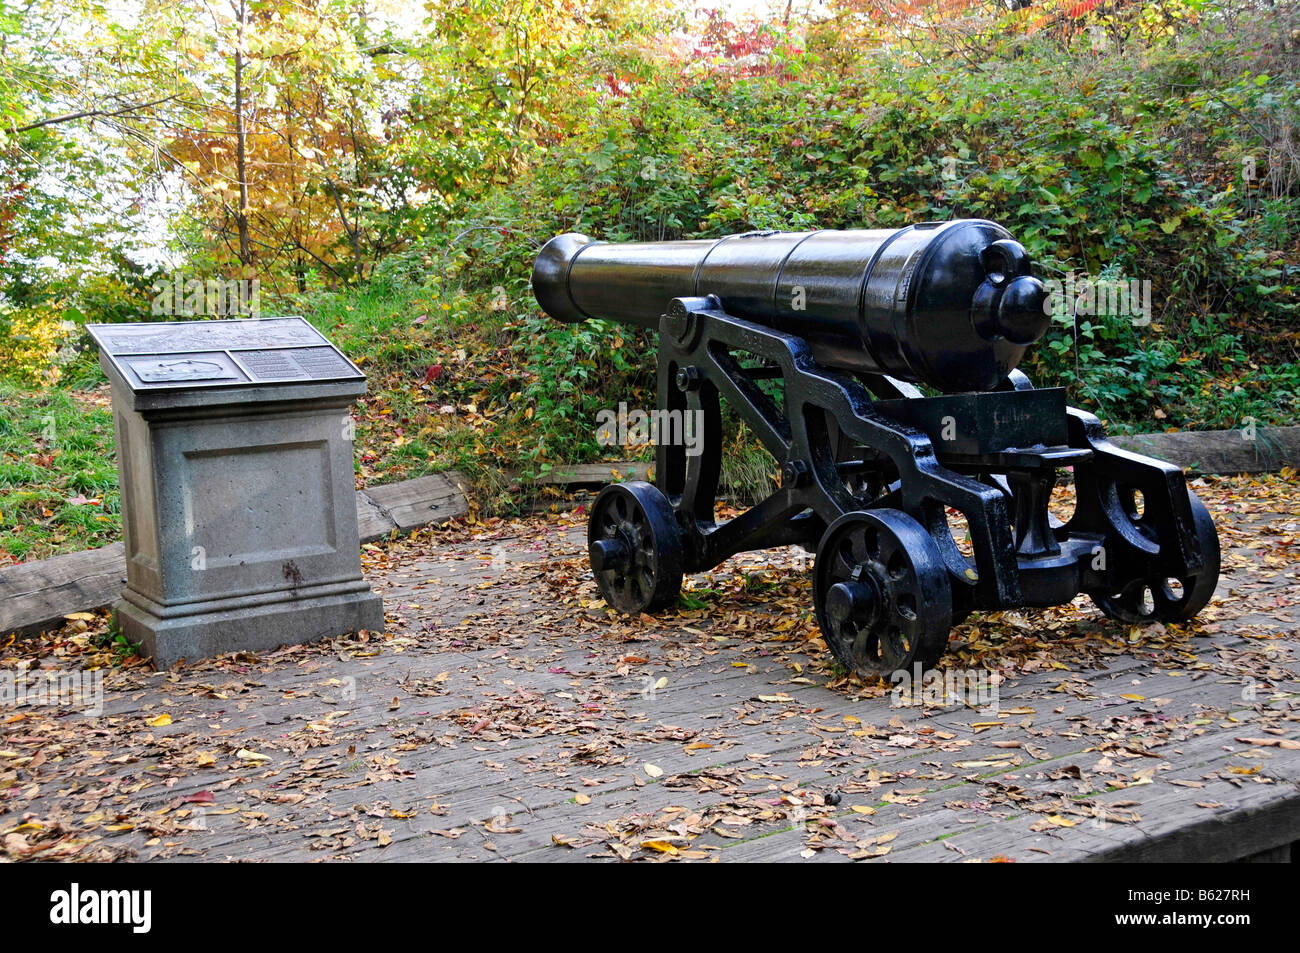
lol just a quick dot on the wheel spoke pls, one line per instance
(845, 561)
(868, 545)
(863, 646)
(892, 648)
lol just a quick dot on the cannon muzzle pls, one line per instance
(948, 304)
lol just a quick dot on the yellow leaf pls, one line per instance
(246, 755)
(862, 809)
(660, 845)
(582, 798)
(162, 721)
(1134, 698)
(653, 770)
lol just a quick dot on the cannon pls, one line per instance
(879, 368)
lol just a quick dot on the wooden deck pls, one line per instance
(503, 716)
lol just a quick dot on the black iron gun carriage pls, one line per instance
(817, 341)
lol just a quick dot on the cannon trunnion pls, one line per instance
(817, 341)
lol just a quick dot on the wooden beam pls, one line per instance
(35, 596)
(596, 474)
(1261, 450)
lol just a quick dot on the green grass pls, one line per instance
(58, 476)
(441, 383)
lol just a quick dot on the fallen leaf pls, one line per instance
(1287, 743)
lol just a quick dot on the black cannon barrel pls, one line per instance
(949, 304)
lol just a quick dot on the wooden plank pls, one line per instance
(1271, 822)
(1221, 451)
(35, 596)
(597, 474)
(372, 522)
(414, 503)
(474, 792)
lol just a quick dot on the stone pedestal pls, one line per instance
(234, 446)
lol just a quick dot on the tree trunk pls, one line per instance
(241, 158)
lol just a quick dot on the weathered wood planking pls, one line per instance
(1249, 450)
(597, 474)
(37, 595)
(410, 504)
(534, 777)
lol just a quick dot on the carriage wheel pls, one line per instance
(883, 598)
(1173, 598)
(635, 547)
